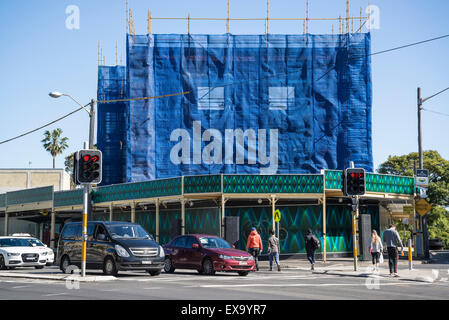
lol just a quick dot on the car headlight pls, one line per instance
(50, 253)
(222, 256)
(44, 253)
(13, 254)
(121, 251)
(251, 258)
(161, 252)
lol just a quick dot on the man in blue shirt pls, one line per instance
(392, 240)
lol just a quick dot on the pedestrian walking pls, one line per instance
(273, 250)
(376, 249)
(392, 240)
(312, 244)
(254, 246)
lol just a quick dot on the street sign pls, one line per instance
(277, 216)
(422, 207)
(422, 178)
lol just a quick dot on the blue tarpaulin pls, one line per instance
(111, 125)
(254, 104)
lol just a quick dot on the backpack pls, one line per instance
(316, 243)
(313, 243)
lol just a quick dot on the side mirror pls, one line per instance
(195, 246)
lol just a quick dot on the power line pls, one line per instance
(48, 124)
(433, 111)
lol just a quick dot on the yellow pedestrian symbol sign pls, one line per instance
(277, 215)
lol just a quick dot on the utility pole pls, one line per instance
(421, 166)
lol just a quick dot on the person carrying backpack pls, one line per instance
(312, 244)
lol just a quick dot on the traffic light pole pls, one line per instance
(84, 247)
(91, 147)
(355, 217)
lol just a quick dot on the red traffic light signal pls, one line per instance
(89, 167)
(354, 182)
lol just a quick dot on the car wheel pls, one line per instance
(2, 263)
(65, 263)
(208, 267)
(109, 267)
(39, 267)
(154, 272)
(243, 273)
(168, 266)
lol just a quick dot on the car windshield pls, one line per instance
(214, 242)
(36, 242)
(128, 232)
(15, 243)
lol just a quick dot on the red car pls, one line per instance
(207, 254)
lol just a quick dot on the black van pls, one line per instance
(111, 246)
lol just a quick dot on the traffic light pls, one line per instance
(88, 166)
(354, 204)
(354, 182)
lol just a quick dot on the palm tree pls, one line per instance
(54, 143)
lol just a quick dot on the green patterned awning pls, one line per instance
(202, 184)
(27, 196)
(3, 200)
(68, 198)
(273, 183)
(217, 184)
(138, 190)
(378, 183)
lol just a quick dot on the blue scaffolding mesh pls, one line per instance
(111, 124)
(255, 104)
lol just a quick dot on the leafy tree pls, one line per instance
(54, 143)
(438, 191)
(68, 163)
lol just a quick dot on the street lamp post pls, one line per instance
(91, 113)
(87, 206)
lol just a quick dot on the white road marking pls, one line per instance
(21, 287)
(54, 294)
(152, 288)
(297, 285)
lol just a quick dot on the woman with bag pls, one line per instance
(376, 250)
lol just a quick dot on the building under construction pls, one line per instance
(214, 133)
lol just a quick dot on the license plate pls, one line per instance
(146, 262)
(243, 263)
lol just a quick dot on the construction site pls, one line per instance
(214, 133)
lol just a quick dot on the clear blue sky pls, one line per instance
(39, 54)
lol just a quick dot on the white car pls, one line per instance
(21, 252)
(36, 242)
(45, 251)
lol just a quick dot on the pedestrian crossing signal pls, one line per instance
(88, 166)
(354, 182)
